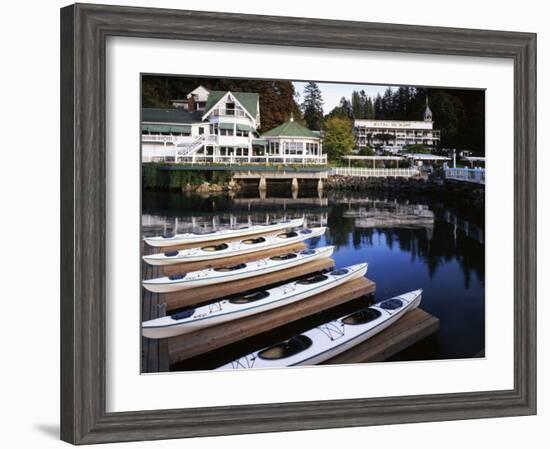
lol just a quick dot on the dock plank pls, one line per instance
(154, 353)
(199, 295)
(205, 340)
(216, 263)
(408, 330)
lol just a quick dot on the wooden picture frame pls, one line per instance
(84, 29)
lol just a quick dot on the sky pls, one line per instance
(333, 92)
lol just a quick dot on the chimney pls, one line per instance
(191, 103)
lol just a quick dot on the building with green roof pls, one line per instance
(292, 140)
(219, 127)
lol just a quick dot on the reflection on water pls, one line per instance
(409, 242)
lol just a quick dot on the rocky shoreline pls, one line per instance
(207, 188)
(464, 193)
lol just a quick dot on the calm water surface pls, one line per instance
(409, 242)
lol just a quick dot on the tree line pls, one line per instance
(277, 98)
(458, 113)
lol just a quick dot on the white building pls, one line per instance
(395, 134)
(222, 127)
(195, 100)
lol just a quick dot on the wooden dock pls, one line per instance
(200, 342)
(408, 330)
(160, 355)
(200, 295)
(154, 353)
(228, 261)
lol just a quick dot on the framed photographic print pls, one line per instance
(304, 224)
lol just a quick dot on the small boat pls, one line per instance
(200, 237)
(233, 308)
(235, 248)
(332, 338)
(211, 276)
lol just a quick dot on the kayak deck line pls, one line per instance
(412, 327)
(167, 270)
(222, 234)
(199, 342)
(222, 239)
(199, 295)
(224, 250)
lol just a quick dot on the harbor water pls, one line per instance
(409, 242)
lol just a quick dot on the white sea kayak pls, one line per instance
(235, 248)
(245, 305)
(199, 237)
(211, 276)
(332, 338)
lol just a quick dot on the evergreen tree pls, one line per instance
(357, 105)
(312, 106)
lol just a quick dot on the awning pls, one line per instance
(243, 127)
(259, 142)
(226, 125)
(156, 128)
(181, 129)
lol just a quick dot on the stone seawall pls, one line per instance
(465, 193)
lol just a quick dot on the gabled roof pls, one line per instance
(248, 100)
(198, 89)
(174, 115)
(290, 129)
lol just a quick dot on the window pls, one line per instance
(294, 147)
(201, 131)
(226, 132)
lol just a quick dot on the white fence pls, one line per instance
(475, 175)
(267, 159)
(376, 172)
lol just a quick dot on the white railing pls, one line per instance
(376, 172)
(159, 138)
(185, 148)
(268, 159)
(228, 112)
(474, 175)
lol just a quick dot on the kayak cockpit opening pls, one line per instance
(287, 348)
(287, 256)
(213, 248)
(313, 279)
(308, 252)
(245, 299)
(254, 241)
(287, 235)
(171, 253)
(231, 268)
(183, 314)
(340, 272)
(363, 316)
(176, 276)
(306, 231)
(391, 304)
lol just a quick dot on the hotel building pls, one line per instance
(393, 135)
